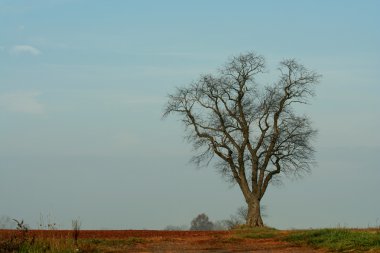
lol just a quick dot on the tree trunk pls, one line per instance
(254, 214)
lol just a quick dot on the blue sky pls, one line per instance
(83, 85)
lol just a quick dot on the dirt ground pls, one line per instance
(176, 241)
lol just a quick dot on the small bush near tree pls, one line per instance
(201, 222)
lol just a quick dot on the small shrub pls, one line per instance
(47, 222)
(76, 230)
(201, 222)
(19, 240)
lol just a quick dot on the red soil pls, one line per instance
(176, 241)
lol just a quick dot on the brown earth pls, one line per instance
(173, 241)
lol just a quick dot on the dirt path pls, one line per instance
(218, 242)
(171, 241)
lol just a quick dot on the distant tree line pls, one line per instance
(203, 223)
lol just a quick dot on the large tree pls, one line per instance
(251, 130)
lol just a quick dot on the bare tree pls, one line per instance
(251, 129)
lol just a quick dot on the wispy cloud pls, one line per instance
(21, 102)
(24, 49)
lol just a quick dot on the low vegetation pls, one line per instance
(340, 240)
(334, 239)
(25, 240)
(32, 244)
(256, 233)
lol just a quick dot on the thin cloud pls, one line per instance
(25, 49)
(21, 102)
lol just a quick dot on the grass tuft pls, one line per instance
(340, 240)
(256, 233)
